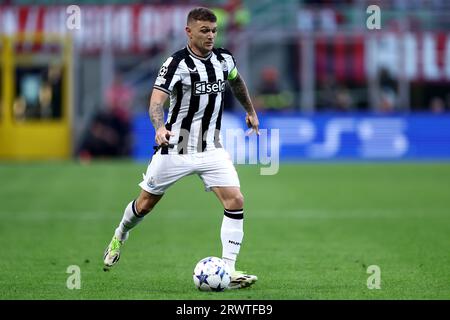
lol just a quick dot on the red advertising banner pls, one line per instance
(125, 28)
(417, 56)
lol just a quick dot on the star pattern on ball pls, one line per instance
(202, 278)
(218, 288)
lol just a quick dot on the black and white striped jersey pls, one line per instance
(196, 86)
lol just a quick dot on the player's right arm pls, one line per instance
(168, 76)
(156, 112)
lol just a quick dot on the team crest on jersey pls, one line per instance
(224, 65)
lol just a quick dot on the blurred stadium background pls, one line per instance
(336, 90)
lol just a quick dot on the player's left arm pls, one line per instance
(240, 91)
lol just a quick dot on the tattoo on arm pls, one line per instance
(156, 112)
(240, 91)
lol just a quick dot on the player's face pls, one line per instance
(202, 35)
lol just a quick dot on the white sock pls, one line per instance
(231, 234)
(129, 220)
(230, 263)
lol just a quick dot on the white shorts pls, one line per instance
(214, 167)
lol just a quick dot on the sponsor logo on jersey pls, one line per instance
(193, 70)
(203, 87)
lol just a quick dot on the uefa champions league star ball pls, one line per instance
(212, 274)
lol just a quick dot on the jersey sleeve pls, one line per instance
(168, 75)
(231, 62)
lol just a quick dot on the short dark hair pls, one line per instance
(201, 14)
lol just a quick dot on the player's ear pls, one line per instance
(188, 31)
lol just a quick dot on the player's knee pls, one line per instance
(235, 202)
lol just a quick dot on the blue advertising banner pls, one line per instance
(296, 137)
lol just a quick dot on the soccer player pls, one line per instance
(188, 142)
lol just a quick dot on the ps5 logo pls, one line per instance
(203, 87)
(369, 138)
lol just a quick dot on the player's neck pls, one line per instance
(197, 52)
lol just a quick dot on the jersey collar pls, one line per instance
(197, 56)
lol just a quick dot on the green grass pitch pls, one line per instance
(311, 232)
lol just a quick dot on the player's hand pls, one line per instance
(252, 122)
(162, 136)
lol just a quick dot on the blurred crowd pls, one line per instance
(109, 132)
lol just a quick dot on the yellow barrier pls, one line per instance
(32, 139)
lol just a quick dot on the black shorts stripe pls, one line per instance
(209, 110)
(164, 150)
(193, 108)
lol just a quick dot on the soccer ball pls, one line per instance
(212, 274)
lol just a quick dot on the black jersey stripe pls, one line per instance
(218, 124)
(194, 105)
(219, 116)
(221, 58)
(209, 110)
(171, 68)
(176, 109)
(178, 88)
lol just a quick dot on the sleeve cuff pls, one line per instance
(162, 89)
